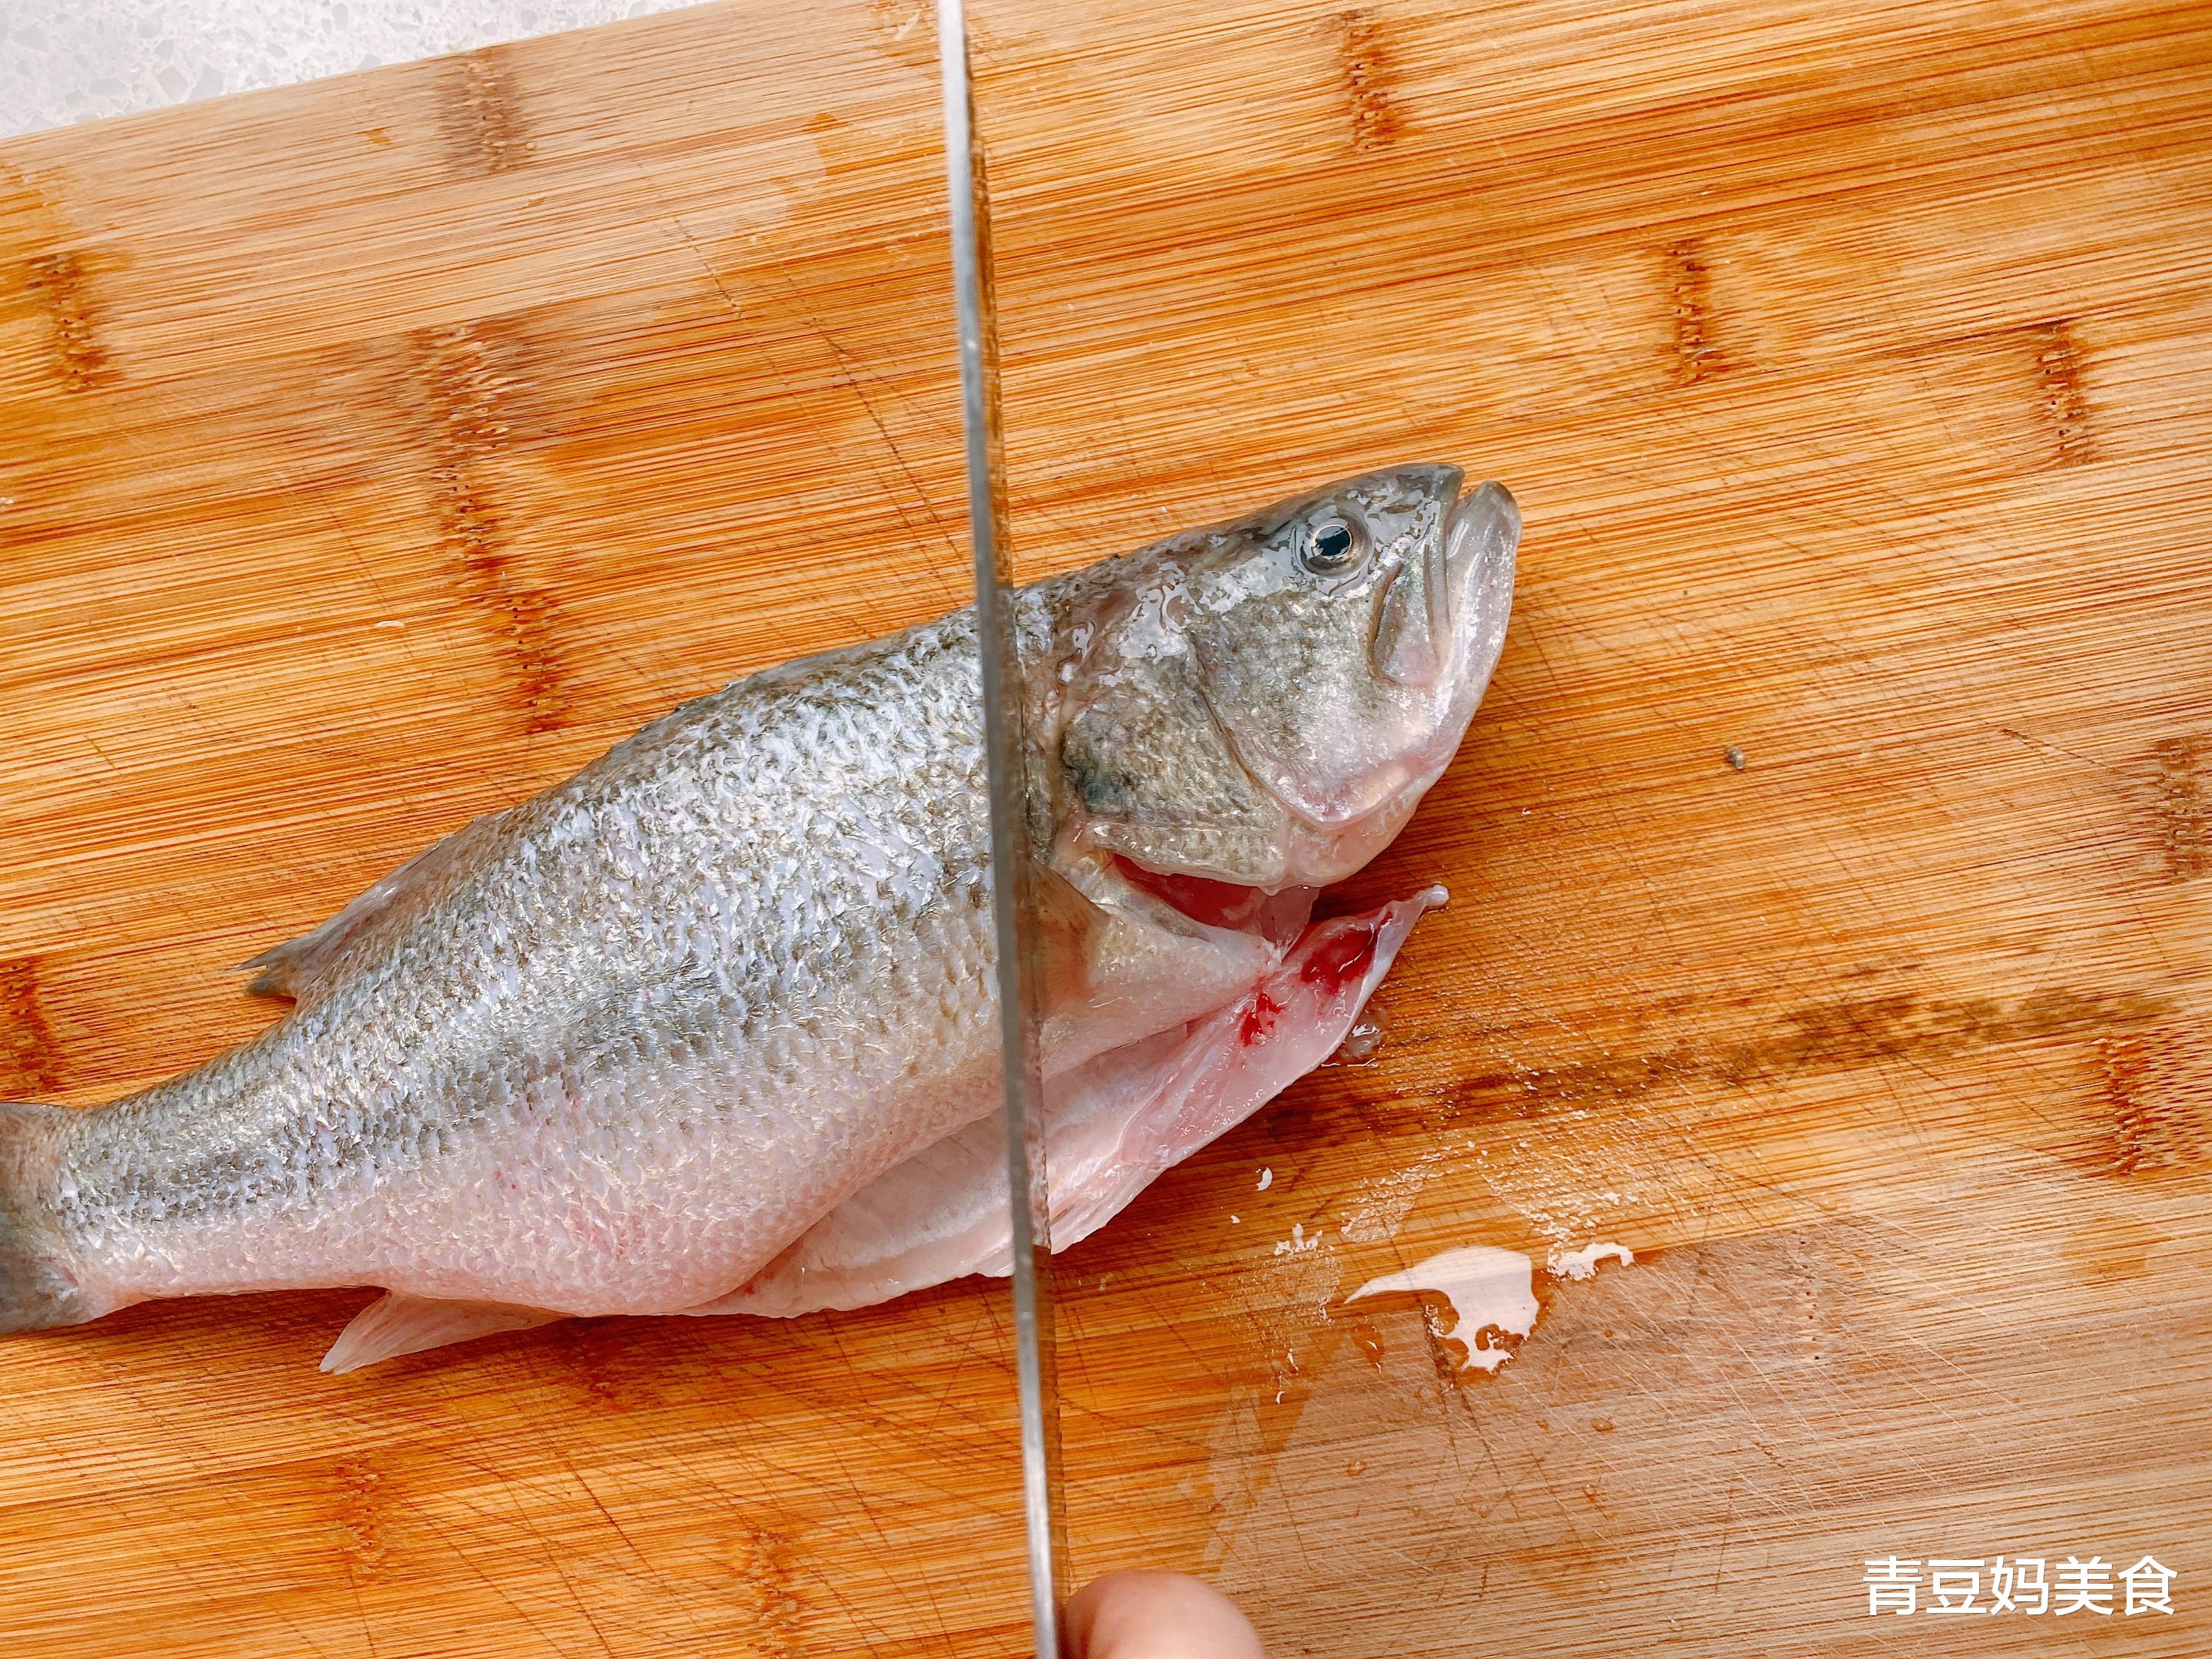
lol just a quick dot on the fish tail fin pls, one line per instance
(38, 1289)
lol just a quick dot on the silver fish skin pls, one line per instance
(617, 1049)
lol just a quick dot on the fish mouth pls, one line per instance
(1489, 502)
(1209, 903)
(1480, 549)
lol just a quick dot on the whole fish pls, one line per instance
(710, 1027)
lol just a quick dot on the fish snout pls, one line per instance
(1482, 541)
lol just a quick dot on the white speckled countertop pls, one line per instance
(63, 61)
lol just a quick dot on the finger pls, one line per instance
(1157, 1615)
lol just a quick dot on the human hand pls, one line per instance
(1157, 1615)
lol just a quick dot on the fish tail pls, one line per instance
(37, 1287)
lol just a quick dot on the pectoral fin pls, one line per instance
(1068, 925)
(396, 1323)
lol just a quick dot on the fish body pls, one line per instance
(710, 1025)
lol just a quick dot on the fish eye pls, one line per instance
(1332, 544)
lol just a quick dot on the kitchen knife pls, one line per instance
(1006, 748)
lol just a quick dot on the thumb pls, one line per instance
(1157, 1615)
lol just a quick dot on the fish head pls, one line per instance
(1263, 702)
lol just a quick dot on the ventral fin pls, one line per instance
(295, 968)
(396, 1323)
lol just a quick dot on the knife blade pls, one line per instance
(1006, 748)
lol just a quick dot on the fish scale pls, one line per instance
(621, 1047)
(504, 1007)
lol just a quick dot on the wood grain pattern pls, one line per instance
(1849, 370)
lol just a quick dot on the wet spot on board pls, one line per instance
(1369, 1341)
(467, 376)
(1369, 79)
(480, 116)
(1689, 276)
(2172, 785)
(2062, 402)
(60, 284)
(765, 1582)
(1825, 1037)
(594, 1360)
(28, 216)
(2155, 1087)
(1363, 1044)
(30, 1065)
(906, 30)
(360, 1505)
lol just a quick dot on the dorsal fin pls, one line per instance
(294, 968)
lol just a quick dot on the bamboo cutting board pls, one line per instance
(1830, 862)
